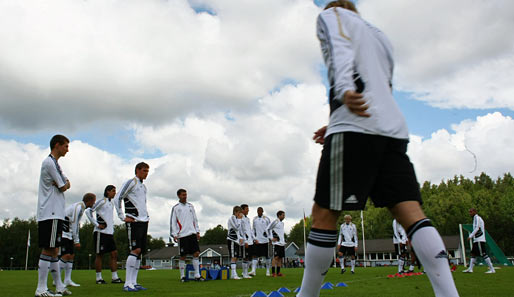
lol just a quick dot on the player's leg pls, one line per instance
(320, 249)
(352, 253)
(68, 261)
(115, 279)
(98, 257)
(486, 258)
(472, 261)
(142, 231)
(234, 254)
(132, 257)
(341, 259)
(428, 244)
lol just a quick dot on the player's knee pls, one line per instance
(324, 218)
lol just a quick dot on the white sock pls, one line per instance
(130, 266)
(196, 265)
(42, 272)
(114, 275)
(182, 267)
(254, 265)
(56, 274)
(411, 267)
(318, 256)
(268, 265)
(98, 275)
(400, 265)
(233, 267)
(136, 271)
(353, 265)
(67, 271)
(341, 263)
(245, 268)
(472, 263)
(62, 265)
(432, 253)
(489, 263)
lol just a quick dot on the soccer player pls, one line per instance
(261, 241)
(70, 235)
(347, 243)
(50, 216)
(479, 247)
(364, 149)
(133, 196)
(235, 239)
(185, 231)
(103, 234)
(276, 235)
(400, 244)
(248, 240)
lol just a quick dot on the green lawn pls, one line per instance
(366, 282)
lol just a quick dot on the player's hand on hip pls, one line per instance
(77, 246)
(198, 236)
(319, 136)
(128, 220)
(355, 103)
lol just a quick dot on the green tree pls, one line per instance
(216, 235)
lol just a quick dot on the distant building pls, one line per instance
(381, 252)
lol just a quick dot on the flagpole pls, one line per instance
(27, 253)
(363, 239)
(304, 239)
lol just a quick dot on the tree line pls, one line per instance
(14, 235)
(447, 205)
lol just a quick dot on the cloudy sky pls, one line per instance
(221, 97)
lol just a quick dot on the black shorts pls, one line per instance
(136, 233)
(279, 251)
(400, 249)
(248, 251)
(347, 251)
(103, 243)
(188, 245)
(479, 249)
(261, 250)
(67, 247)
(234, 249)
(50, 233)
(354, 166)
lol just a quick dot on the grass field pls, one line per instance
(366, 282)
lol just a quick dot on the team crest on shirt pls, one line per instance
(133, 243)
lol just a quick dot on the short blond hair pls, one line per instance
(348, 216)
(343, 4)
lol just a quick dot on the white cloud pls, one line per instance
(444, 154)
(264, 158)
(148, 61)
(452, 54)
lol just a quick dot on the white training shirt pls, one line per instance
(399, 235)
(351, 46)
(183, 220)
(348, 235)
(50, 200)
(133, 196)
(247, 230)
(70, 228)
(276, 230)
(104, 215)
(235, 232)
(260, 229)
(478, 233)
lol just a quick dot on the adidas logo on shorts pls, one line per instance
(351, 199)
